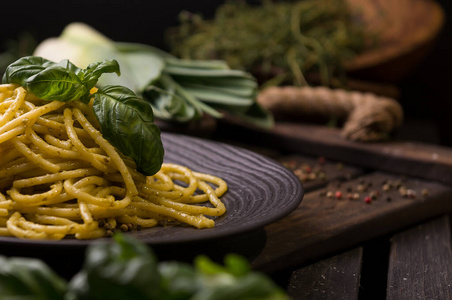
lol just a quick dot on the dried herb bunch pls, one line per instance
(278, 42)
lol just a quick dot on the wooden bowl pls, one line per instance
(407, 31)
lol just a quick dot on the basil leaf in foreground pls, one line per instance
(127, 122)
(28, 278)
(125, 269)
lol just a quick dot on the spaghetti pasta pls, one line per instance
(59, 177)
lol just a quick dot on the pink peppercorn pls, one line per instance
(368, 199)
(338, 195)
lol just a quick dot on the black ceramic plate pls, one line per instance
(260, 191)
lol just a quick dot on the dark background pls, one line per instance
(425, 93)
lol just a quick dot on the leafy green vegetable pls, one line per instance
(126, 121)
(178, 90)
(122, 270)
(127, 269)
(29, 279)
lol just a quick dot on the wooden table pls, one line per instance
(374, 222)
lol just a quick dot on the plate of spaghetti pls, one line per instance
(64, 181)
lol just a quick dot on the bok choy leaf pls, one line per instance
(178, 90)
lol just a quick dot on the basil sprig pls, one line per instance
(121, 113)
(126, 121)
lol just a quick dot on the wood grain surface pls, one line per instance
(322, 225)
(431, 162)
(337, 278)
(420, 265)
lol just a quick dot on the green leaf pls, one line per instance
(62, 81)
(197, 64)
(126, 269)
(19, 71)
(141, 67)
(56, 83)
(127, 123)
(167, 105)
(178, 280)
(31, 279)
(235, 280)
(95, 70)
(256, 115)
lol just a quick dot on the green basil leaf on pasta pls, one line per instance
(19, 71)
(56, 83)
(127, 122)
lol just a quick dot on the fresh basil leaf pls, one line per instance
(65, 63)
(56, 83)
(95, 70)
(234, 280)
(26, 278)
(126, 121)
(178, 280)
(126, 269)
(61, 81)
(19, 71)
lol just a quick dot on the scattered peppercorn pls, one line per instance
(124, 227)
(338, 195)
(367, 199)
(411, 193)
(424, 193)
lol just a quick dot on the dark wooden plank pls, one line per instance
(417, 159)
(335, 278)
(420, 265)
(317, 172)
(323, 226)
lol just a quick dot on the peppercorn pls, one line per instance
(329, 194)
(367, 199)
(338, 195)
(360, 188)
(124, 227)
(373, 196)
(424, 192)
(307, 168)
(411, 193)
(403, 191)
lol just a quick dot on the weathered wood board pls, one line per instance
(421, 160)
(324, 225)
(420, 265)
